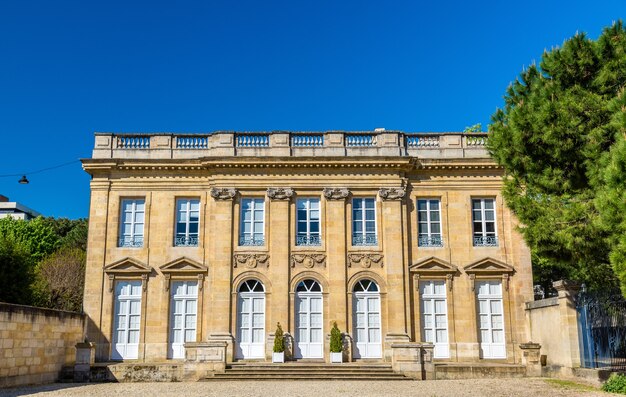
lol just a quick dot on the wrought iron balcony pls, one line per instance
(130, 242)
(364, 240)
(485, 241)
(308, 241)
(432, 241)
(251, 241)
(186, 241)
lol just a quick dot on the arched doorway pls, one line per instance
(250, 320)
(309, 320)
(366, 319)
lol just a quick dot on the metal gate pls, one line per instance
(602, 327)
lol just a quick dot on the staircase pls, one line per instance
(307, 371)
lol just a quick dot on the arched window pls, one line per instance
(309, 286)
(366, 285)
(251, 286)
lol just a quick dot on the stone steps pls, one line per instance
(478, 370)
(307, 371)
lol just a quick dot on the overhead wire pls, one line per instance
(40, 170)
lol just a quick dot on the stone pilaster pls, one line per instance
(220, 271)
(279, 268)
(392, 234)
(336, 260)
(567, 291)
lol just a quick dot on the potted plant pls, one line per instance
(336, 345)
(278, 356)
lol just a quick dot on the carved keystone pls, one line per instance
(279, 193)
(392, 193)
(223, 193)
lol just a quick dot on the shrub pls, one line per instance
(336, 343)
(615, 384)
(279, 339)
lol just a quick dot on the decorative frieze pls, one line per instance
(308, 260)
(335, 193)
(251, 261)
(392, 193)
(223, 193)
(365, 260)
(279, 193)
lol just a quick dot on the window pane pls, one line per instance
(489, 215)
(434, 205)
(369, 203)
(489, 204)
(476, 204)
(315, 204)
(315, 227)
(435, 228)
(301, 215)
(477, 215)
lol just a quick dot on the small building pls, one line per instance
(397, 237)
(16, 210)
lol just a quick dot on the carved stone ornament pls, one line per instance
(391, 193)
(279, 193)
(365, 260)
(335, 193)
(251, 261)
(308, 260)
(223, 193)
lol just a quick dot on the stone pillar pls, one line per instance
(220, 269)
(393, 252)
(335, 219)
(203, 359)
(85, 358)
(531, 358)
(567, 291)
(414, 360)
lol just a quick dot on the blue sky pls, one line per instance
(68, 69)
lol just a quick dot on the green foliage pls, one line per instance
(336, 343)
(42, 262)
(279, 339)
(474, 128)
(60, 279)
(16, 270)
(615, 384)
(555, 138)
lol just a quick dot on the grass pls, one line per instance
(570, 385)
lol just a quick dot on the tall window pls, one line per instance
(484, 221)
(308, 222)
(131, 223)
(187, 222)
(252, 231)
(429, 223)
(364, 221)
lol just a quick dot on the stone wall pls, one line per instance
(553, 324)
(36, 343)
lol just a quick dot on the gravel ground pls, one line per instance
(475, 387)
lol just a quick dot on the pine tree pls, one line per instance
(555, 138)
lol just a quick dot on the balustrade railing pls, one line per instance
(420, 141)
(307, 140)
(364, 240)
(360, 140)
(473, 141)
(133, 142)
(485, 241)
(192, 142)
(430, 241)
(309, 241)
(251, 240)
(186, 241)
(253, 140)
(130, 242)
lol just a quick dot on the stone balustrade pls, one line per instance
(289, 144)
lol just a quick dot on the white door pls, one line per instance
(183, 316)
(434, 316)
(127, 320)
(309, 319)
(251, 320)
(366, 319)
(491, 319)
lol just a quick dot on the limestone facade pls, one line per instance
(382, 278)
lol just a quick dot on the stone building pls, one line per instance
(396, 237)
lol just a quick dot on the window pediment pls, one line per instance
(489, 266)
(433, 266)
(183, 265)
(127, 266)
